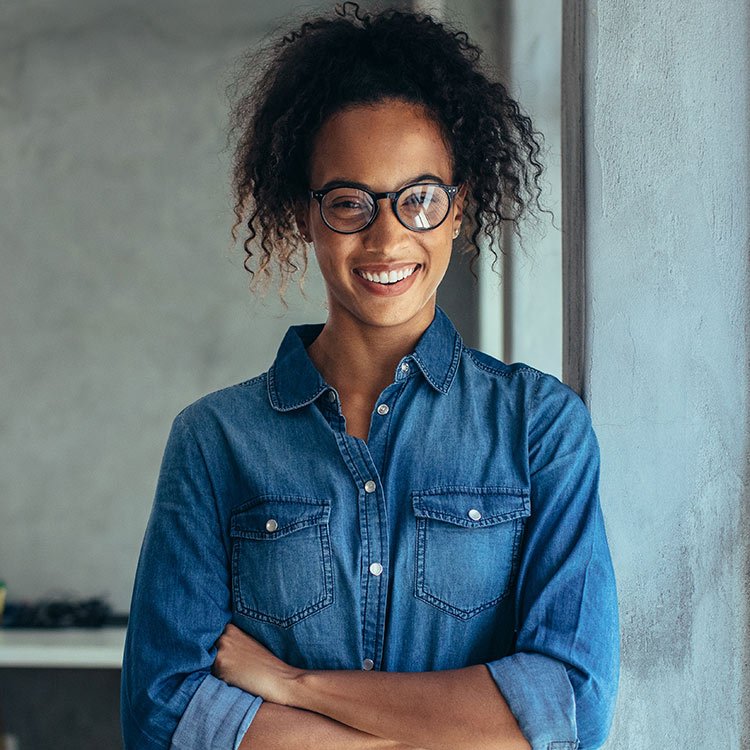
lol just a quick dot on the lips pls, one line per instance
(385, 275)
(408, 275)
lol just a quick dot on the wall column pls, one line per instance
(656, 276)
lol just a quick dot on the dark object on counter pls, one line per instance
(61, 613)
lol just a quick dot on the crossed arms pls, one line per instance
(441, 710)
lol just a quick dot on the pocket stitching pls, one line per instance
(423, 510)
(421, 531)
(322, 515)
(320, 519)
(238, 535)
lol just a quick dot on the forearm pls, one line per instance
(440, 710)
(277, 727)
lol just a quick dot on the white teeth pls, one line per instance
(385, 277)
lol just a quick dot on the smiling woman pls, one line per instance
(394, 140)
(388, 539)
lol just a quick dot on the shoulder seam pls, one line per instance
(251, 380)
(223, 389)
(526, 368)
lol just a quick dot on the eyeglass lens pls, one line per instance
(348, 209)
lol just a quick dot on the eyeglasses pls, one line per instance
(349, 208)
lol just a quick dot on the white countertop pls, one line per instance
(94, 648)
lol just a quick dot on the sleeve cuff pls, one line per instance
(539, 694)
(216, 718)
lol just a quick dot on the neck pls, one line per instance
(361, 359)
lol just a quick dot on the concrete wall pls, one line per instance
(120, 297)
(664, 353)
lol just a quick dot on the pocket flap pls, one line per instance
(272, 517)
(472, 507)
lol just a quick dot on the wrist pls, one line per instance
(296, 687)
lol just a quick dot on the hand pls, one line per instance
(247, 664)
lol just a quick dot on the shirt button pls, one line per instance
(368, 664)
(370, 486)
(383, 409)
(331, 396)
(271, 524)
(376, 569)
(404, 367)
(474, 514)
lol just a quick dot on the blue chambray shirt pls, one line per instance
(466, 530)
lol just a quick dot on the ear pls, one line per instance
(301, 216)
(458, 205)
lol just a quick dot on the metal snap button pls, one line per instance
(376, 568)
(404, 367)
(370, 486)
(331, 396)
(271, 524)
(474, 514)
(368, 664)
(383, 409)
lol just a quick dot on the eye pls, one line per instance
(352, 203)
(420, 195)
(345, 201)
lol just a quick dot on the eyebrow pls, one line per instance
(339, 182)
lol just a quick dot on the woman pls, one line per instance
(388, 539)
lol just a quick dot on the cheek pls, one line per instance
(440, 250)
(330, 255)
(323, 261)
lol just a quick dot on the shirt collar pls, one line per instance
(294, 381)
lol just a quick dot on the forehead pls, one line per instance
(381, 145)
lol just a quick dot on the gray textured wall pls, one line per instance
(667, 237)
(121, 299)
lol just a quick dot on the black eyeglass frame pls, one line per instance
(392, 195)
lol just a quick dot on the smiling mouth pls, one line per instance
(387, 278)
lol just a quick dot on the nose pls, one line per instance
(386, 232)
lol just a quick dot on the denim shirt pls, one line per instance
(466, 530)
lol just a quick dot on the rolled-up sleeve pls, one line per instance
(180, 606)
(561, 680)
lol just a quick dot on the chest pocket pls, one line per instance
(467, 544)
(281, 559)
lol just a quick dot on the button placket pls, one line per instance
(373, 520)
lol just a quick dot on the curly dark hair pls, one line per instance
(284, 93)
